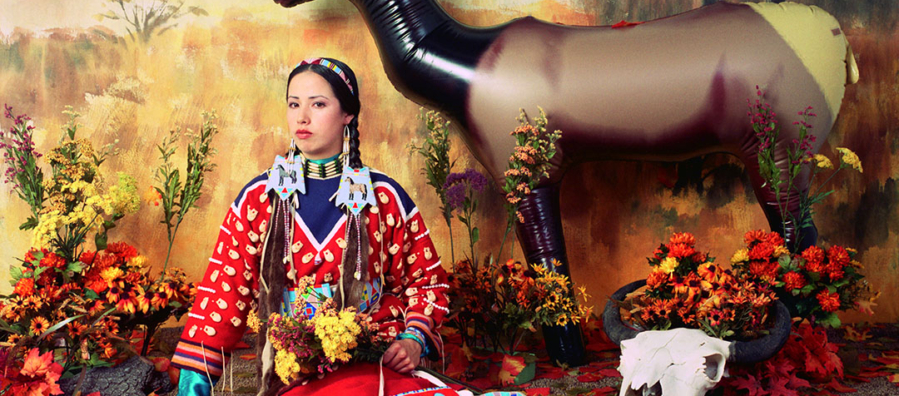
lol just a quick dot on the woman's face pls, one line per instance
(314, 116)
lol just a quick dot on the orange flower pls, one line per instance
(24, 287)
(159, 300)
(708, 271)
(152, 197)
(51, 260)
(774, 239)
(680, 250)
(656, 278)
(15, 309)
(76, 329)
(761, 251)
(126, 305)
(683, 237)
(754, 236)
(830, 302)
(115, 292)
(793, 281)
(39, 325)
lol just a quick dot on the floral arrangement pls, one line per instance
(83, 305)
(502, 303)
(815, 283)
(495, 303)
(319, 344)
(687, 289)
(94, 308)
(767, 129)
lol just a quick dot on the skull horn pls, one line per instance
(740, 351)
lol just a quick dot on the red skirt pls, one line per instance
(363, 379)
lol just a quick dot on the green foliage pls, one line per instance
(179, 198)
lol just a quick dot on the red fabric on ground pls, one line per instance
(360, 379)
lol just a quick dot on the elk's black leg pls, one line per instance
(542, 241)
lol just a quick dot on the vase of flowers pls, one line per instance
(687, 289)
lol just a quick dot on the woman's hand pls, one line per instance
(402, 356)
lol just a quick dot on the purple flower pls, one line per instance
(455, 196)
(457, 185)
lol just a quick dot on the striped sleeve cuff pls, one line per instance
(196, 357)
(426, 326)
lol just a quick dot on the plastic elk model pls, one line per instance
(667, 90)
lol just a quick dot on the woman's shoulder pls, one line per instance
(384, 184)
(253, 193)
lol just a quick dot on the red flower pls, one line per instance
(24, 287)
(87, 257)
(830, 302)
(761, 251)
(774, 239)
(29, 257)
(680, 250)
(51, 260)
(122, 250)
(683, 237)
(838, 256)
(764, 270)
(813, 255)
(793, 281)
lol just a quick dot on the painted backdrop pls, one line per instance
(132, 84)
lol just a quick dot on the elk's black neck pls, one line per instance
(427, 54)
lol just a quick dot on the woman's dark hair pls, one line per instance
(349, 101)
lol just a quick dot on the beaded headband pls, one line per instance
(330, 65)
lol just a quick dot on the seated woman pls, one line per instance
(369, 248)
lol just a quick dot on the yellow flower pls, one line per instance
(286, 366)
(849, 158)
(253, 321)
(138, 262)
(741, 255)
(668, 265)
(111, 274)
(124, 195)
(823, 162)
(337, 333)
(780, 250)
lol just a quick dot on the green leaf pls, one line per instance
(814, 276)
(475, 235)
(29, 224)
(784, 261)
(830, 319)
(74, 267)
(807, 289)
(831, 289)
(38, 271)
(16, 273)
(91, 294)
(101, 239)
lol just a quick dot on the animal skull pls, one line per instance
(672, 362)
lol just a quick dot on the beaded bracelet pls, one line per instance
(409, 335)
